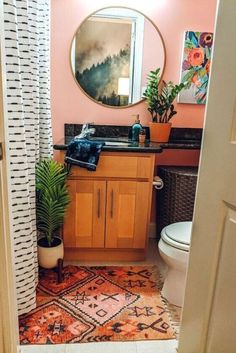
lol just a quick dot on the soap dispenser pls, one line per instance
(136, 128)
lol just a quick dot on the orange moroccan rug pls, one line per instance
(97, 304)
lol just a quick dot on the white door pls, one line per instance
(209, 316)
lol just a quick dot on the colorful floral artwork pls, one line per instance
(196, 66)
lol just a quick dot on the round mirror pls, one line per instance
(112, 53)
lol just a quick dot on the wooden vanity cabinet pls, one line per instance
(127, 214)
(108, 217)
(84, 225)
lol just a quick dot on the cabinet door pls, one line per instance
(84, 225)
(127, 214)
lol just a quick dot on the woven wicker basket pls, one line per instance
(175, 202)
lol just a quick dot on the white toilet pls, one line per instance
(174, 249)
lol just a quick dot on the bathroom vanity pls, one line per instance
(109, 214)
(108, 217)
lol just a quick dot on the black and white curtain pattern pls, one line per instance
(26, 32)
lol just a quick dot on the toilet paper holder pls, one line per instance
(157, 182)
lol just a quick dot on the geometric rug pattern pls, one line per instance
(97, 304)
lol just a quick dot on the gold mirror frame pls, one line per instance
(77, 83)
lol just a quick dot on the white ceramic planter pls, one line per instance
(48, 257)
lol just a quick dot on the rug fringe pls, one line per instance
(173, 312)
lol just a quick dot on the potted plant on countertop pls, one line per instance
(160, 97)
(52, 199)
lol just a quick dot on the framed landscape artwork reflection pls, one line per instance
(102, 57)
(195, 69)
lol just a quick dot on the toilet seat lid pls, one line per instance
(178, 235)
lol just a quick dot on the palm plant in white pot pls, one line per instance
(52, 199)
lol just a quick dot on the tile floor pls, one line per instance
(168, 346)
(106, 347)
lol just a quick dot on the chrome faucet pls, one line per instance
(86, 131)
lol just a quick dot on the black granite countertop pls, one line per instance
(130, 146)
(180, 138)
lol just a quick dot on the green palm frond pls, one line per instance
(52, 197)
(50, 173)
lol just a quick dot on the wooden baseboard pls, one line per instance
(75, 254)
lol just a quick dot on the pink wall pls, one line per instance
(173, 17)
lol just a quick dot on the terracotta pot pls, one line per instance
(48, 256)
(159, 132)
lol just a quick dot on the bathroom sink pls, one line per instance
(112, 141)
(116, 143)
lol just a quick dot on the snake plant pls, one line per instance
(160, 96)
(52, 198)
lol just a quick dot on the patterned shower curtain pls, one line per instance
(26, 32)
